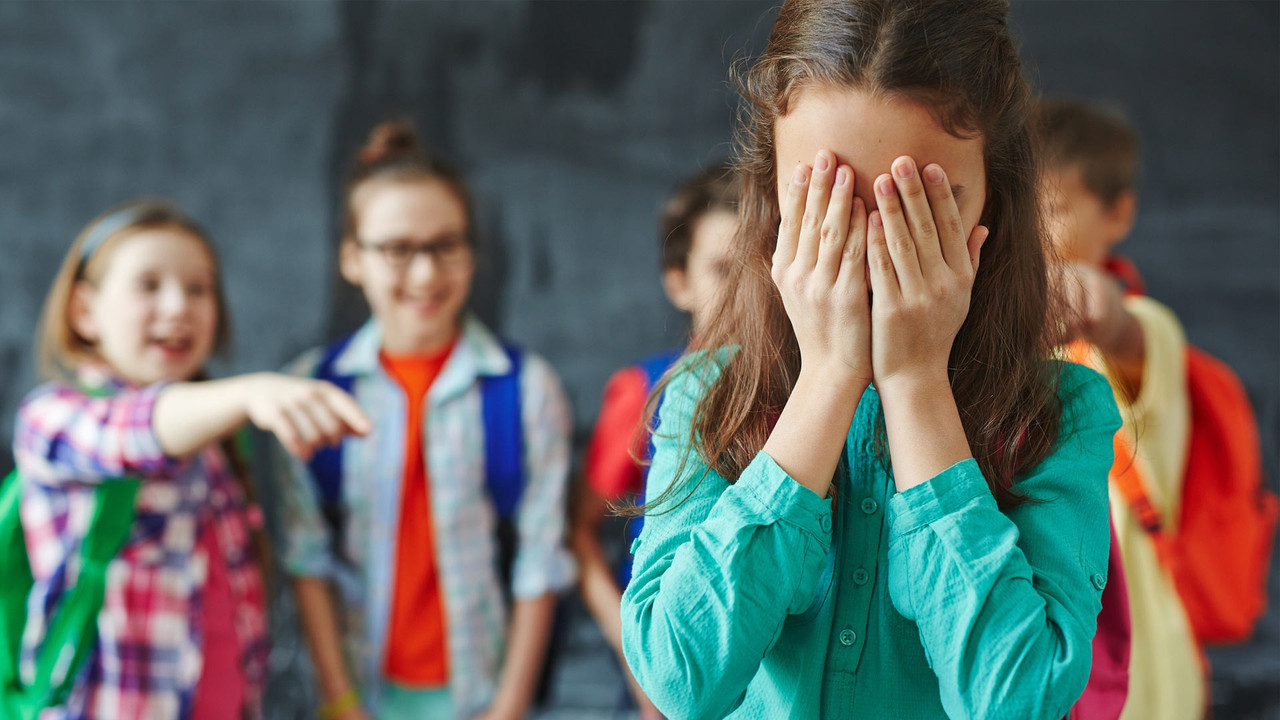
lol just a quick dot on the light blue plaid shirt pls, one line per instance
(461, 511)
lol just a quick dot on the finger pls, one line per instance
(977, 239)
(884, 280)
(919, 215)
(853, 259)
(325, 420)
(946, 217)
(792, 211)
(835, 227)
(346, 408)
(285, 432)
(307, 432)
(902, 248)
(815, 209)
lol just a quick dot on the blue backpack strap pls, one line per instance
(657, 365)
(654, 368)
(504, 456)
(325, 464)
(504, 436)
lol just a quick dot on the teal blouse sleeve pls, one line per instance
(718, 568)
(1006, 603)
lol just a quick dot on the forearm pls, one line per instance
(526, 650)
(320, 626)
(599, 590)
(190, 415)
(924, 431)
(810, 433)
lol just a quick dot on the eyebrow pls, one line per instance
(956, 190)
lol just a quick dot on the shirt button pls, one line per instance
(860, 576)
(825, 523)
(869, 506)
(1099, 581)
(848, 637)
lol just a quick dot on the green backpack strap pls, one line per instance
(15, 572)
(73, 630)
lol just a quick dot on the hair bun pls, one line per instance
(389, 139)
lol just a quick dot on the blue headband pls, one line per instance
(108, 226)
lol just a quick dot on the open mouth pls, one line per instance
(174, 347)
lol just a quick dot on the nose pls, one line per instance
(173, 300)
(422, 269)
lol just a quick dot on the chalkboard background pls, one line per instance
(573, 120)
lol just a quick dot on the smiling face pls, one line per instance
(151, 314)
(418, 303)
(868, 132)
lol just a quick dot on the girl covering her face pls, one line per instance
(873, 494)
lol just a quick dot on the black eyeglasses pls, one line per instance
(449, 254)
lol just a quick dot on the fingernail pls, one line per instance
(800, 175)
(820, 163)
(875, 218)
(842, 177)
(885, 186)
(904, 168)
(934, 175)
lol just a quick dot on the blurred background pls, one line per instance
(573, 120)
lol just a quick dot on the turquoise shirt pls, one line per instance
(758, 599)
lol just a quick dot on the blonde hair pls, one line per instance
(60, 350)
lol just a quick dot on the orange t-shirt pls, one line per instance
(417, 647)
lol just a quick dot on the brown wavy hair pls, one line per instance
(958, 60)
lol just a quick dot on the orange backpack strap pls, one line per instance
(1128, 480)
(1125, 475)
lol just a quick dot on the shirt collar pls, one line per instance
(479, 353)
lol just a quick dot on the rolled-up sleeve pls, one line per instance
(718, 569)
(543, 563)
(1006, 603)
(65, 435)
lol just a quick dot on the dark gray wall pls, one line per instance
(572, 121)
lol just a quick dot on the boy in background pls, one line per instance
(1090, 166)
(696, 233)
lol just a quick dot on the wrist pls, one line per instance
(908, 387)
(340, 705)
(834, 377)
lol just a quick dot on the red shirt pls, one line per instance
(417, 646)
(618, 437)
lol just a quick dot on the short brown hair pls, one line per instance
(59, 348)
(711, 189)
(1098, 139)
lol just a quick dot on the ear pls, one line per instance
(80, 312)
(349, 262)
(675, 281)
(1121, 215)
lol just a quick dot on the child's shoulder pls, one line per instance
(1085, 394)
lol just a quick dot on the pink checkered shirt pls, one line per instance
(147, 659)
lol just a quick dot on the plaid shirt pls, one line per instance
(147, 659)
(462, 514)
